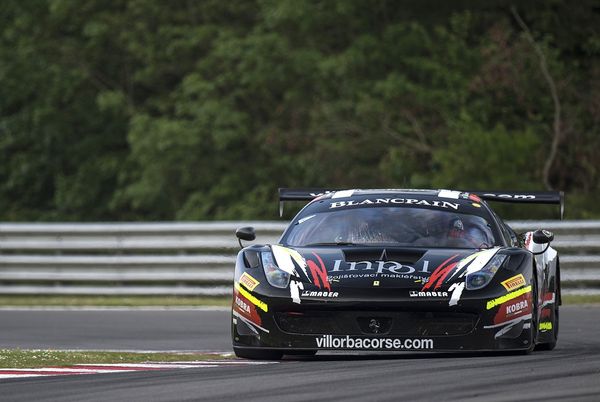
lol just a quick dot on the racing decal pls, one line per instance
(258, 303)
(439, 274)
(528, 242)
(405, 201)
(251, 324)
(509, 325)
(393, 267)
(244, 307)
(285, 258)
(342, 194)
(318, 273)
(348, 342)
(514, 282)
(248, 281)
(509, 296)
(546, 326)
(514, 308)
(449, 194)
(480, 260)
(549, 298)
(511, 196)
(314, 293)
(295, 287)
(474, 198)
(415, 293)
(456, 289)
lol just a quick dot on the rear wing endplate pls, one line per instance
(300, 194)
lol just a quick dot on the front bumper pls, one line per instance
(402, 325)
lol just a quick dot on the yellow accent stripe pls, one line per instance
(503, 299)
(260, 304)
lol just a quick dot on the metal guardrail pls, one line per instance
(195, 258)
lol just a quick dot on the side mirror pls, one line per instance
(541, 236)
(246, 233)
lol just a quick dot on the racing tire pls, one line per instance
(257, 354)
(534, 316)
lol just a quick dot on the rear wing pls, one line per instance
(525, 197)
(300, 194)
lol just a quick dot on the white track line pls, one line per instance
(103, 368)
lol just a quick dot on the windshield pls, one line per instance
(395, 226)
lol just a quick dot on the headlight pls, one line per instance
(480, 279)
(275, 276)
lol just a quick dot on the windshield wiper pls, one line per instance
(338, 243)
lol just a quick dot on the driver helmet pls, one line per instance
(457, 228)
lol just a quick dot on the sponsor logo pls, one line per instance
(245, 307)
(347, 342)
(248, 281)
(414, 293)
(509, 296)
(405, 201)
(514, 283)
(546, 326)
(258, 303)
(380, 267)
(512, 196)
(312, 293)
(516, 307)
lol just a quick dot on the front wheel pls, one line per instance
(555, 321)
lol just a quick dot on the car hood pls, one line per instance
(331, 268)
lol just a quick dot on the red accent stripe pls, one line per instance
(440, 273)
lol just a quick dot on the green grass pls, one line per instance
(17, 358)
(574, 299)
(114, 301)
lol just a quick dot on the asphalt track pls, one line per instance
(571, 372)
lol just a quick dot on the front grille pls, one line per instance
(398, 323)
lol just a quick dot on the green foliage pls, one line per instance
(193, 110)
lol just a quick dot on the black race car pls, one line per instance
(397, 270)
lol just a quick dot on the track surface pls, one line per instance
(118, 330)
(571, 372)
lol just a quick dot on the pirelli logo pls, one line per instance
(509, 296)
(248, 281)
(514, 283)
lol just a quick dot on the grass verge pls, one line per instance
(114, 301)
(18, 358)
(580, 299)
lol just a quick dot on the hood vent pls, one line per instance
(404, 256)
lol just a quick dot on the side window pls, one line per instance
(510, 235)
